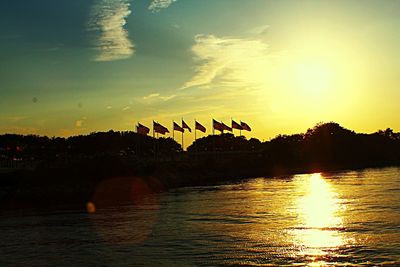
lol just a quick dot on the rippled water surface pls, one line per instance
(347, 218)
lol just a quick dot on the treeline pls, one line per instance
(112, 143)
(327, 145)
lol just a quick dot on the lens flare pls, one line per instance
(122, 205)
(90, 207)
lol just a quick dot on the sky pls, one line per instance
(75, 67)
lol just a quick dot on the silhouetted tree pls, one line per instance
(224, 142)
(326, 145)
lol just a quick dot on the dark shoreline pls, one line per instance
(118, 168)
(114, 181)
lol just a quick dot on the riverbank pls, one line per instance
(112, 181)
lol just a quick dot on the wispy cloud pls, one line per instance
(157, 97)
(150, 96)
(260, 30)
(108, 18)
(79, 123)
(157, 5)
(16, 118)
(228, 61)
(166, 98)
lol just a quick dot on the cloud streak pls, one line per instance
(155, 97)
(108, 18)
(157, 5)
(228, 61)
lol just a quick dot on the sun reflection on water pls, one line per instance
(318, 211)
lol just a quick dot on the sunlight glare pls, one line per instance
(318, 210)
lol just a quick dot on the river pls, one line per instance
(347, 218)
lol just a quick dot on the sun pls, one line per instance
(313, 79)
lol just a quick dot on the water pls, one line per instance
(341, 219)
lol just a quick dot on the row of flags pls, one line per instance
(219, 126)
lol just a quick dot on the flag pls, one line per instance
(141, 129)
(178, 128)
(218, 126)
(200, 127)
(158, 128)
(245, 126)
(236, 125)
(226, 127)
(185, 126)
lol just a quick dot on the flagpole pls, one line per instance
(137, 140)
(157, 144)
(154, 143)
(215, 151)
(182, 132)
(233, 131)
(195, 130)
(195, 138)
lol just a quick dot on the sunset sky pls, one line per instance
(74, 67)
